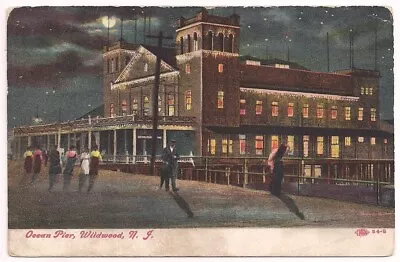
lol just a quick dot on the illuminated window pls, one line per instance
(221, 99)
(258, 107)
(373, 114)
(320, 111)
(112, 65)
(112, 110)
(124, 107)
(385, 141)
(230, 148)
(360, 139)
(212, 146)
(335, 146)
(290, 110)
(159, 104)
(224, 146)
(274, 142)
(347, 113)
(320, 145)
(333, 112)
(305, 110)
(347, 141)
(187, 68)
(242, 144)
(290, 142)
(146, 106)
(362, 90)
(146, 67)
(305, 145)
(259, 145)
(135, 106)
(275, 109)
(188, 99)
(220, 68)
(360, 113)
(242, 107)
(373, 141)
(171, 105)
(370, 91)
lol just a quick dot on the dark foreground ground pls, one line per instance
(134, 201)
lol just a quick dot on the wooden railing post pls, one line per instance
(246, 173)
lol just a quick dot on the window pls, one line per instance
(320, 111)
(370, 91)
(242, 107)
(187, 69)
(181, 44)
(385, 141)
(259, 145)
(230, 44)
(146, 106)
(305, 110)
(171, 105)
(373, 114)
(290, 142)
(112, 110)
(360, 113)
(335, 146)
(347, 113)
(224, 146)
(212, 146)
(320, 145)
(220, 68)
(124, 107)
(195, 43)
(242, 144)
(290, 110)
(274, 109)
(220, 99)
(135, 106)
(189, 44)
(188, 99)
(373, 141)
(112, 65)
(220, 46)
(360, 139)
(305, 145)
(258, 107)
(362, 90)
(274, 142)
(209, 41)
(347, 141)
(334, 112)
(146, 67)
(159, 104)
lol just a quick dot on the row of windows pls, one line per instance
(220, 68)
(366, 91)
(146, 105)
(113, 64)
(227, 144)
(305, 110)
(219, 45)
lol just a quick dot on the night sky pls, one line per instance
(54, 57)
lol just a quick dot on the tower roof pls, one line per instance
(203, 16)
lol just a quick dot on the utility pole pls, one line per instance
(160, 38)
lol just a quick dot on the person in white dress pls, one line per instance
(84, 173)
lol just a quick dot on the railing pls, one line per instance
(334, 178)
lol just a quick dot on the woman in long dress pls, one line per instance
(28, 165)
(71, 157)
(85, 157)
(54, 166)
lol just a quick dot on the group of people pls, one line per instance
(89, 166)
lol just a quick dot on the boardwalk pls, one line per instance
(134, 201)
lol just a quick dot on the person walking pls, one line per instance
(276, 165)
(54, 166)
(84, 173)
(170, 160)
(95, 159)
(70, 159)
(28, 165)
(37, 164)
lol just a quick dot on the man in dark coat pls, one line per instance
(276, 165)
(170, 161)
(54, 166)
(71, 157)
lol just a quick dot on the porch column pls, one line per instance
(97, 138)
(126, 147)
(55, 140)
(164, 138)
(59, 137)
(17, 147)
(68, 140)
(134, 145)
(29, 141)
(115, 146)
(90, 139)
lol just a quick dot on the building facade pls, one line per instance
(216, 104)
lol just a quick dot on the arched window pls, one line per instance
(135, 106)
(124, 107)
(146, 106)
(195, 43)
(189, 44)
(209, 41)
(230, 44)
(171, 104)
(220, 44)
(181, 43)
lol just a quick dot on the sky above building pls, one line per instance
(54, 54)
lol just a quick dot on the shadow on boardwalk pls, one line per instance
(182, 203)
(289, 202)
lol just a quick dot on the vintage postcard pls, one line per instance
(200, 131)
